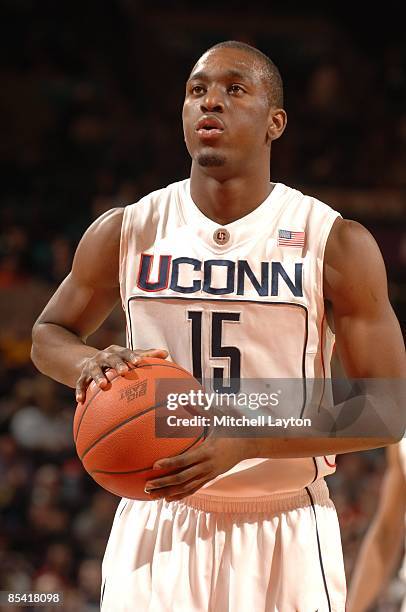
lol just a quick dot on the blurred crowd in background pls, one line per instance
(90, 118)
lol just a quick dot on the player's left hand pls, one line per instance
(197, 466)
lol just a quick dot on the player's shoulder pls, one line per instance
(110, 220)
(353, 261)
(96, 257)
(103, 235)
(105, 228)
(349, 239)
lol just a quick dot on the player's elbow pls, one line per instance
(393, 438)
(398, 435)
(38, 347)
(35, 347)
(398, 426)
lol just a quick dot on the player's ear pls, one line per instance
(277, 120)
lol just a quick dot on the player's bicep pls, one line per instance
(91, 290)
(370, 347)
(368, 336)
(78, 307)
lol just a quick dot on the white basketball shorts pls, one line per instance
(279, 553)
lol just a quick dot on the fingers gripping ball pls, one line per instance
(114, 428)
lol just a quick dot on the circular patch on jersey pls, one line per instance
(221, 236)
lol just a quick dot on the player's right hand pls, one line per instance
(115, 357)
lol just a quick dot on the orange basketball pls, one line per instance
(114, 428)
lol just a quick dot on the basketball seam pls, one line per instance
(116, 427)
(150, 467)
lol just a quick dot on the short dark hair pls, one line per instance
(272, 75)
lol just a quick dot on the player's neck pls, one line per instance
(226, 200)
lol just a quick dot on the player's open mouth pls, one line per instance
(211, 134)
(209, 127)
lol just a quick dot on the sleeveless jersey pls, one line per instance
(256, 284)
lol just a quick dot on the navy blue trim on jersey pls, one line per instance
(323, 367)
(316, 467)
(319, 549)
(102, 595)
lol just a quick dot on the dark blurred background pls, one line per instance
(90, 118)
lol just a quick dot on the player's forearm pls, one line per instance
(278, 448)
(367, 582)
(374, 564)
(368, 420)
(59, 353)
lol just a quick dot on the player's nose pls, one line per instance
(212, 102)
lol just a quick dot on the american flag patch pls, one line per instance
(289, 238)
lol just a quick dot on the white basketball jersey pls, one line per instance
(244, 301)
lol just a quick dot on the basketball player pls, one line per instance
(231, 276)
(384, 538)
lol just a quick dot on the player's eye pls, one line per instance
(197, 89)
(235, 89)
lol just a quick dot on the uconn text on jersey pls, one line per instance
(205, 275)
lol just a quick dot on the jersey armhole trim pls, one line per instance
(124, 243)
(329, 222)
(332, 465)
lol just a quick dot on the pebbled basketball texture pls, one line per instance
(114, 428)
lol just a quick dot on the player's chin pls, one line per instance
(210, 158)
